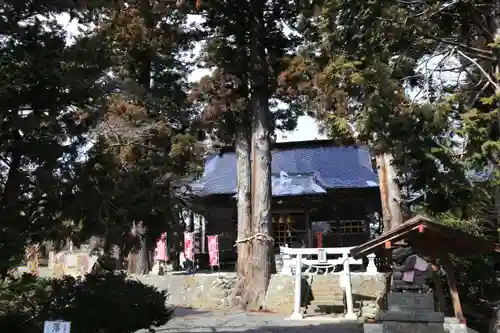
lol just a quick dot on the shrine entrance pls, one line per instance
(290, 230)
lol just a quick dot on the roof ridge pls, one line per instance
(293, 145)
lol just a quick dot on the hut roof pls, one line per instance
(429, 237)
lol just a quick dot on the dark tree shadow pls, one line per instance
(305, 327)
(181, 311)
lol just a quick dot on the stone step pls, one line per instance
(325, 307)
(327, 299)
(326, 289)
(328, 296)
(279, 262)
(333, 302)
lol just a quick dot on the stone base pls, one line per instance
(158, 269)
(295, 316)
(216, 291)
(417, 316)
(455, 328)
(410, 302)
(395, 327)
(449, 326)
(453, 325)
(351, 316)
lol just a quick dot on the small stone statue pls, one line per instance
(410, 271)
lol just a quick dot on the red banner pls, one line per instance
(188, 246)
(161, 248)
(213, 250)
(319, 239)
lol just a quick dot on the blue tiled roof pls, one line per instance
(479, 176)
(331, 168)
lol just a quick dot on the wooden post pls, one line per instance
(438, 286)
(307, 218)
(338, 230)
(452, 284)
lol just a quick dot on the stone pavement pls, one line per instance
(199, 321)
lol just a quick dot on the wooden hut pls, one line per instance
(436, 242)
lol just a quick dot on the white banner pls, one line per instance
(57, 327)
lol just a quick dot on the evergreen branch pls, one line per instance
(5, 160)
(481, 25)
(480, 92)
(488, 76)
(408, 3)
(480, 53)
(453, 69)
(439, 10)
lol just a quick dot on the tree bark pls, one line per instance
(390, 193)
(243, 200)
(143, 259)
(139, 260)
(140, 70)
(173, 229)
(495, 27)
(496, 76)
(262, 244)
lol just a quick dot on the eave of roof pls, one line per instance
(451, 240)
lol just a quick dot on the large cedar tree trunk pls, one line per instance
(143, 258)
(243, 202)
(260, 268)
(141, 70)
(495, 24)
(390, 193)
(139, 259)
(174, 232)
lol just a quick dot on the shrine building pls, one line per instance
(323, 195)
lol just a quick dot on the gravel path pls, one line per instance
(198, 321)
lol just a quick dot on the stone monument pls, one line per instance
(409, 271)
(410, 303)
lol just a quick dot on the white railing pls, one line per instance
(323, 263)
(298, 262)
(346, 285)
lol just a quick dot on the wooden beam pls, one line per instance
(388, 259)
(438, 286)
(288, 211)
(452, 284)
(391, 237)
(307, 218)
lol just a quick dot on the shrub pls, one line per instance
(104, 303)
